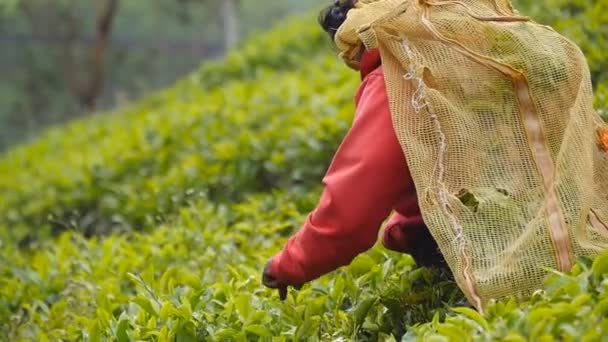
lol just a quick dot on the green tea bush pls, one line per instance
(291, 45)
(199, 279)
(270, 115)
(133, 169)
(601, 100)
(164, 212)
(574, 307)
(208, 133)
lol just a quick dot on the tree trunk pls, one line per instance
(230, 18)
(106, 13)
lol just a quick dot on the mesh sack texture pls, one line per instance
(494, 113)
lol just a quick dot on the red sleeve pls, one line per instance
(363, 183)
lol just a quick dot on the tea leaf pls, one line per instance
(121, 331)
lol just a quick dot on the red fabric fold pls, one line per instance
(370, 61)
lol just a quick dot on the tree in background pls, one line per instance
(61, 77)
(84, 73)
(87, 94)
(65, 58)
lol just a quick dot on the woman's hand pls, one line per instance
(414, 240)
(270, 281)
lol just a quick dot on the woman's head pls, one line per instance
(334, 15)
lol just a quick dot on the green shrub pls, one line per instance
(270, 115)
(574, 307)
(135, 168)
(199, 279)
(291, 45)
(200, 163)
(207, 134)
(601, 100)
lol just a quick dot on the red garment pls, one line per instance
(366, 180)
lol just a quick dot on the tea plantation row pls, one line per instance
(153, 222)
(270, 115)
(198, 280)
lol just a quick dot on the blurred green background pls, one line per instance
(59, 61)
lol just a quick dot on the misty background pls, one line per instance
(63, 59)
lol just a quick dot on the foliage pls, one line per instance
(198, 279)
(191, 139)
(574, 307)
(224, 131)
(164, 212)
(295, 44)
(601, 100)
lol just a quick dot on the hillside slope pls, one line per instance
(224, 131)
(153, 222)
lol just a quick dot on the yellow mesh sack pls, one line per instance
(494, 114)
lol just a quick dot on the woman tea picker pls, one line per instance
(475, 126)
